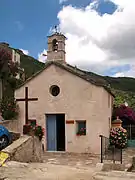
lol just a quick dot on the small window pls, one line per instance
(54, 90)
(81, 128)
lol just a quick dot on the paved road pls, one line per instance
(54, 167)
(43, 171)
(60, 167)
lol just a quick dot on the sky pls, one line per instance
(100, 33)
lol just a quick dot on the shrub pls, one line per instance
(124, 112)
(9, 108)
(7, 66)
(118, 137)
(37, 130)
(81, 132)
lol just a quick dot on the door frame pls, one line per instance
(56, 132)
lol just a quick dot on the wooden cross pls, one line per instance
(26, 100)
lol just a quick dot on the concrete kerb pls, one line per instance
(113, 175)
(113, 167)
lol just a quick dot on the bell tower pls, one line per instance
(56, 47)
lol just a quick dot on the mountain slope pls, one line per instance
(29, 64)
(122, 87)
(122, 83)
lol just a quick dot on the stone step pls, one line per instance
(114, 175)
(68, 154)
(98, 177)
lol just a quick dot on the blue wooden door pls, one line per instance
(51, 133)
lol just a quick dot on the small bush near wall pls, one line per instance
(9, 108)
(118, 137)
(35, 130)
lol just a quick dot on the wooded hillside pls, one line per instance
(123, 87)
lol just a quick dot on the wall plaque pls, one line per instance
(69, 121)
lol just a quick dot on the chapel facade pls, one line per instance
(73, 107)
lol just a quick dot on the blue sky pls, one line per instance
(25, 24)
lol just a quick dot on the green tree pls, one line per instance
(9, 108)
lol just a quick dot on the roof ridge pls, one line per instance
(78, 72)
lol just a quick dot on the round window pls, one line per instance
(54, 90)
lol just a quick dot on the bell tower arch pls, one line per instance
(56, 47)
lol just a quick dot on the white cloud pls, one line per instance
(119, 74)
(129, 73)
(62, 1)
(97, 42)
(26, 52)
(42, 56)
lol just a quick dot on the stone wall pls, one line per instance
(25, 149)
(11, 125)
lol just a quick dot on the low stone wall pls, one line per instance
(11, 125)
(25, 149)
